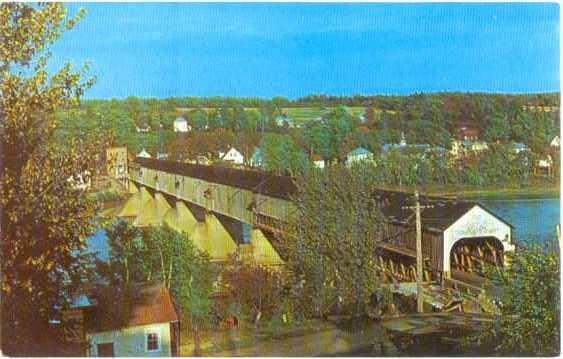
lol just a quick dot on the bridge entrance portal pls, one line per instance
(472, 255)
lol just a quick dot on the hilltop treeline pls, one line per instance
(424, 118)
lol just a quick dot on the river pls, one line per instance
(533, 219)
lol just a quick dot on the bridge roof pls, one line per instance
(255, 181)
(443, 213)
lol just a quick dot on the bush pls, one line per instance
(255, 291)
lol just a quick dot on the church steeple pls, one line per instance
(403, 140)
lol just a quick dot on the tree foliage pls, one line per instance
(529, 319)
(45, 220)
(332, 240)
(159, 253)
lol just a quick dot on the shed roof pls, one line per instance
(142, 305)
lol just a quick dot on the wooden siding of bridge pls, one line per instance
(224, 199)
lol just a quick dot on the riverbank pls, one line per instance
(534, 190)
(412, 334)
(505, 193)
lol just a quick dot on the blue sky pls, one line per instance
(291, 50)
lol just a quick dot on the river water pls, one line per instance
(534, 219)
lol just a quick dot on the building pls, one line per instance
(116, 161)
(232, 155)
(555, 142)
(284, 120)
(317, 160)
(545, 165)
(519, 147)
(358, 154)
(81, 180)
(143, 128)
(144, 154)
(256, 160)
(145, 325)
(467, 132)
(420, 149)
(181, 125)
(467, 147)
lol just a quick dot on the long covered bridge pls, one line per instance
(228, 211)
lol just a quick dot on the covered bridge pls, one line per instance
(458, 236)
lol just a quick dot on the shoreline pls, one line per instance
(504, 193)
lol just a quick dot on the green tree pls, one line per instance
(331, 240)
(529, 318)
(45, 220)
(281, 154)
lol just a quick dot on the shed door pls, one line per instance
(105, 350)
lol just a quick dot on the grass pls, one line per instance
(298, 114)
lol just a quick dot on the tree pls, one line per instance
(529, 318)
(331, 240)
(280, 154)
(159, 253)
(498, 129)
(127, 254)
(256, 290)
(183, 269)
(45, 220)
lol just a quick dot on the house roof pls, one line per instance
(180, 119)
(314, 157)
(519, 146)
(360, 151)
(144, 154)
(142, 305)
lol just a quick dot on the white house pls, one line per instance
(143, 128)
(181, 125)
(232, 155)
(555, 142)
(150, 328)
(358, 154)
(546, 164)
(144, 154)
(318, 161)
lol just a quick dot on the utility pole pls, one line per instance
(419, 260)
(419, 289)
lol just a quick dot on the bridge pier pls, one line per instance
(153, 210)
(262, 250)
(132, 187)
(181, 218)
(211, 236)
(135, 204)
